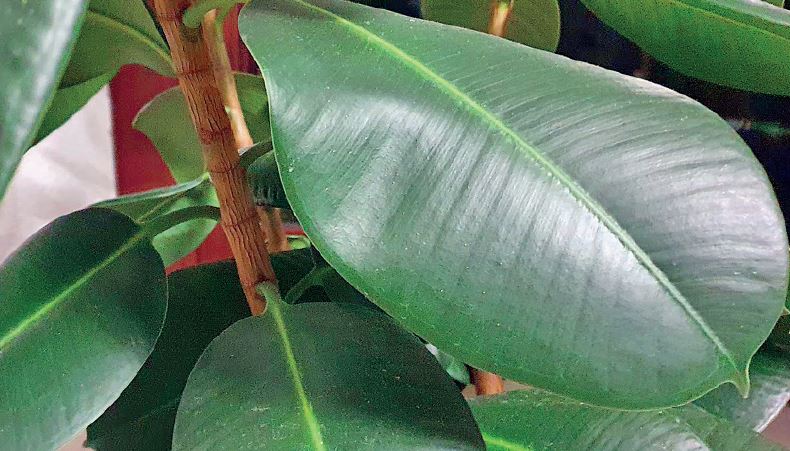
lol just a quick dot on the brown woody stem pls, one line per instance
(487, 383)
(196, 63)
(500, 16)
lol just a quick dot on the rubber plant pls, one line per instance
(608, 243)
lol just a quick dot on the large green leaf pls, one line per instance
(36, 37)
(769, 374)
(612, 240)
(535, 23)
(321, 376)
(83, 302)
(115, 33)
(178, 143)
(535, 420)
(175, 243)
(738, 43)
(204, 301)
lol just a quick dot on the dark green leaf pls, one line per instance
(535, 420)
(321, 376)
(175, 243)
(36, 37)
(115, 33)
(492, 196)
(769, 373)
(264, 179)
(83, 303)
(178, 143)
(779, 3)
(535, 23)
(204, 301)
(68, 101)
(780, 336)
(738, 43)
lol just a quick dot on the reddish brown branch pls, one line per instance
(200, 74)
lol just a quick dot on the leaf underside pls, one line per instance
(737, 43)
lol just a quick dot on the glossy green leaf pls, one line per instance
(175, 243)
(534, 420)
(36, 37)
(115, 33)
(738, 43)
(264, 178)
(178, 143)
(83, 302)
(535, 23)
(321, 376)
(769, 374)
(779, 3)
(544, 208)
(204, 301)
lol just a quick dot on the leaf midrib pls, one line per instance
(34, 317)
(296, 378)
(547, 165)
(504, 443)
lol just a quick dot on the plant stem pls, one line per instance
(487, 383)
(196, 69)
(500, 16)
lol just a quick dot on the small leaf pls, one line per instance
(780, 336)
(83, 302)
(489, 195)
(36, 38)
(321, 376)
(265, 183)
(116, 33)
(178, 143)
(204, 301)
(769, 373)
(175, 243)
(779, 3)
(537, 420)
(535, 23)
(737, 43)
(454, 367)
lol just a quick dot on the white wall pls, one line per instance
(69, 170)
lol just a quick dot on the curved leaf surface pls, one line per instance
(175, 243)
(115, 33)
(35, 40)
(769, 374)
(542, 207)
(321, 376)
(535, 23)
(83, 302)
(178, 143)
(738, 43)
(204, 301)
(535, 420)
